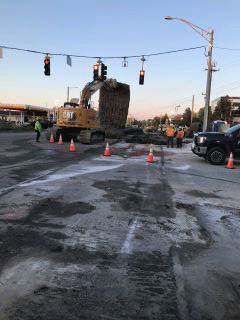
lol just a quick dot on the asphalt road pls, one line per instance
(83, 236)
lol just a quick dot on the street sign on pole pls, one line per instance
(69, 61)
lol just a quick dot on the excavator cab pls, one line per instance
(70, 105)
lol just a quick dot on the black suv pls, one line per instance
(217, 146)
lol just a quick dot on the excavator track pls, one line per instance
(91, 136)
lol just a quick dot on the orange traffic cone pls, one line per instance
(230, 161)
(107, 151)
(150, 155)
(51, 137)
(60, 140)
(72, 146)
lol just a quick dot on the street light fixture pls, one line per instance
(207, 35)
(68, 92)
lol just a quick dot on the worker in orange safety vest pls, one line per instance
(179, 137)
(170, 134)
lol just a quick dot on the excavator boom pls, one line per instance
(89, 89)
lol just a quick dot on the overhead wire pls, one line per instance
(103, 57)
(184, 100)
(114, 57)
(224, 89)
(231, 49)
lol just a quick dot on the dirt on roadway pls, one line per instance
(83, 236)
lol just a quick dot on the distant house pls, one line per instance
(235, 110)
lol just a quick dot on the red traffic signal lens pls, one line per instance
(95, 67)
(47, 66)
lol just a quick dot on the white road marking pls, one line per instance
(185, 167)
(127, 246)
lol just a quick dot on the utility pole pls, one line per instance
(192, 108)
(204, 34)
(209, 81)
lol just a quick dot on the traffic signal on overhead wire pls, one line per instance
(103, 72)
(141, 77)
(47, 66)
(95, 71)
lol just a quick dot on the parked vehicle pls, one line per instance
(219, 126)
(217, 146)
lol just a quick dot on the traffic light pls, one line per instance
(95, 71)
(47, 66)
(103, 72)
(141, 77)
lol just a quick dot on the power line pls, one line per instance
(222, 48)
(97, 57)
(228, 89)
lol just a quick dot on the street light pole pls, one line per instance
(68, 92)
(204, 34)
(209, 81)
(192, 108)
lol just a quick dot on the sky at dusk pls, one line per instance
(110, 29)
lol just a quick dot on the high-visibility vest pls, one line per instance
(180, 134)
(38, 126)
(170, 132)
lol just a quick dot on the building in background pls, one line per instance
(24, 114)
(235, 108)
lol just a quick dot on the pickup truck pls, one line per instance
(217, 146)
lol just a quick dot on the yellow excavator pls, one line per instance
(85, 123)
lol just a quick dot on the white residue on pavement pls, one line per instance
(72, 171)
(127, 246)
